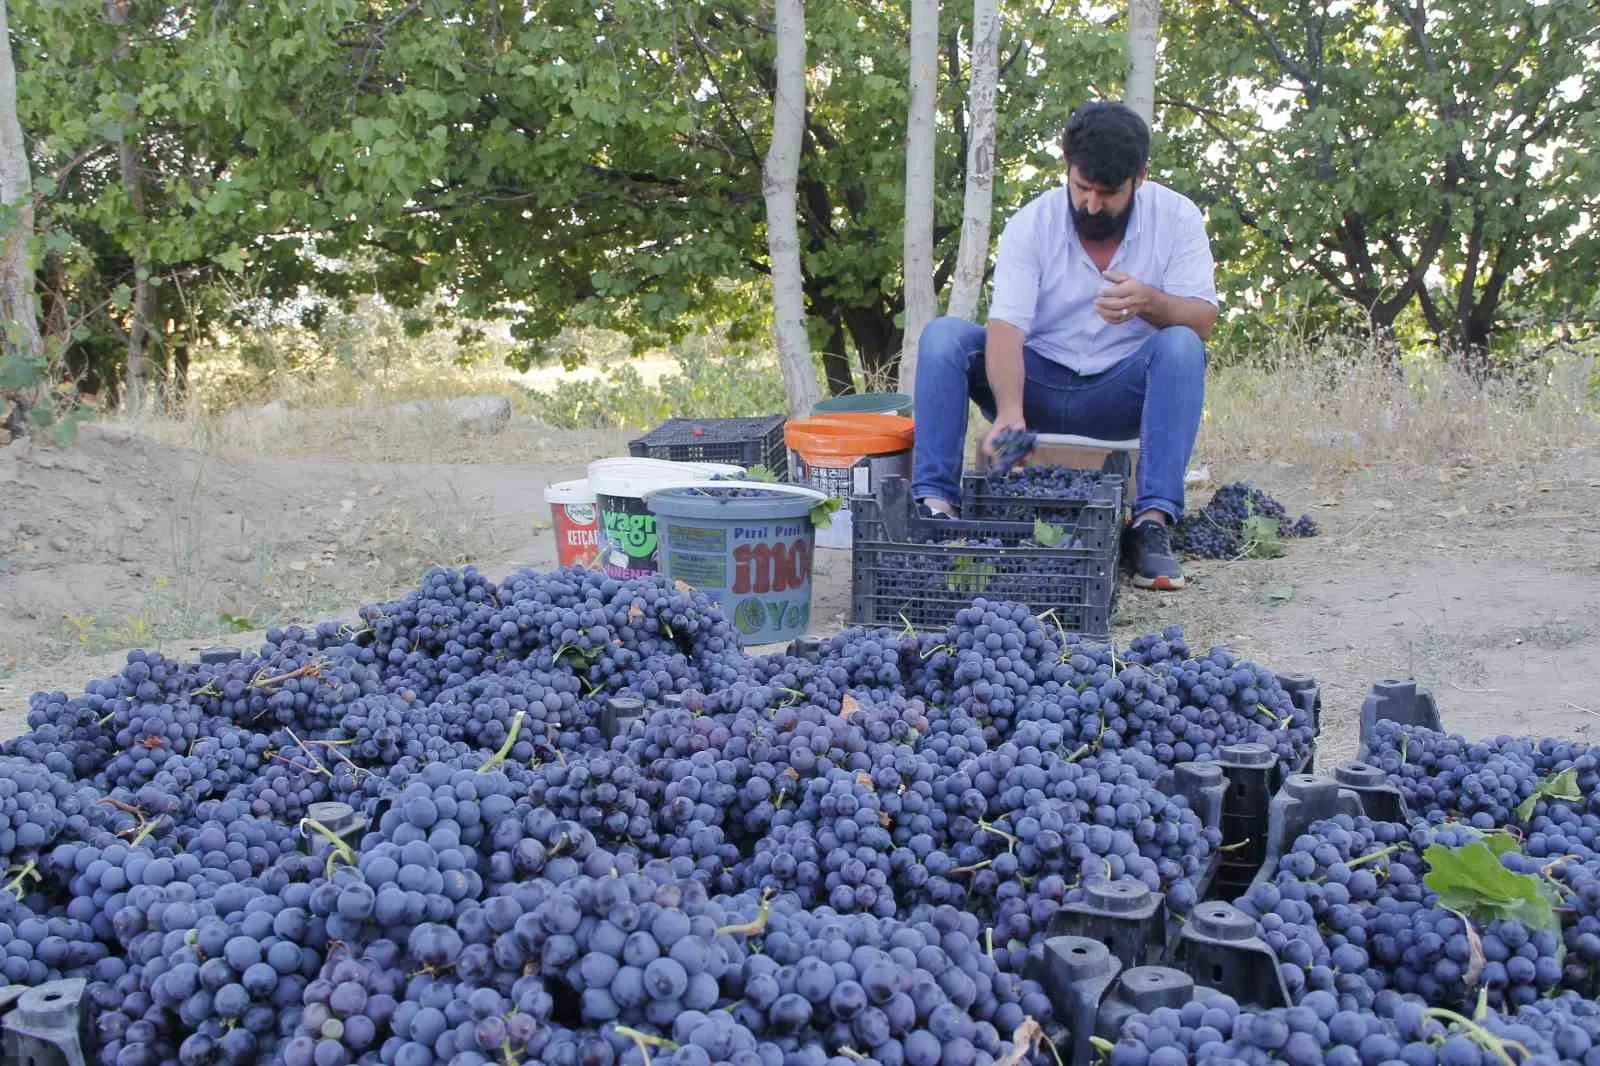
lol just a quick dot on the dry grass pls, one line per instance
(1335, 408)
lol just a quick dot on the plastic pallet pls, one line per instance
(1252, 772)
(1397, 701)
(1140, 990)
(1219, 948)
(1302, 800)
(618, 713)
(890, 568)
(1124, 915)
(1203, 784)
(45, 1025)
(1379, 799)
(1096, 521)
(1076, 972)
(745, 442)
(340, 819)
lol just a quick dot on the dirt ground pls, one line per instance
(1481, 586)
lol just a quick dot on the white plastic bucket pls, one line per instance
(626, 528)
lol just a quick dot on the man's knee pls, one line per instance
(949, 337)
(1179, 348)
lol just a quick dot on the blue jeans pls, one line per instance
(1156, 394)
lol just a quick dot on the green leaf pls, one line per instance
(1471, 880)
(1562, 786)
(1261, 537)
(1501, 842)
(761, 473)
(969, 576)
(1050, 536)
(822, 513)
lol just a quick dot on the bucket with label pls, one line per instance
(627, 529)
(746, 544)
(576, 522)
(846, 454)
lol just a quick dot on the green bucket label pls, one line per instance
(629, 550)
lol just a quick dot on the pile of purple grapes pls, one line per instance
(574, 822)
(1221, 530)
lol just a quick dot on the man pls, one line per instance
(1104, 295)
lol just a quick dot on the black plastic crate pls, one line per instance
(1095, 520)
(745, 442)
(898, 578)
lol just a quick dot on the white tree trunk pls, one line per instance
(972, 257)
(134, 376)
(18, 301)
(921, 300)
(1144, 36)
(779, 185)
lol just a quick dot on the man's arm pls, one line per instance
(1003, 363)
(1127, 296)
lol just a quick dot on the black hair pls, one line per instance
(1107, 141)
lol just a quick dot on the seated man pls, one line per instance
(1104, 294)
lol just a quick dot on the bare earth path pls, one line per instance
(1483, 588)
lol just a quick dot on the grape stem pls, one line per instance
(757, 925)
(974, 868)
(1374, 855)
(341, 850)
(644, 1041)
(852, 1053)
(505, 749)
(313, 668)
(145, 830)
(1236, 845)
(1479, 1035)
(315, 762)
(1011, 841)
(25, 871)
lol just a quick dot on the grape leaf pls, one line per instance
(1501, 842)
(1562, 786)
(1261, 537)
(1471, 880)
(969, 576)
(822, 513)
(1048, 536)
(760, 473)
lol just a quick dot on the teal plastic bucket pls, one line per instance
(866, 403)
(746, 544)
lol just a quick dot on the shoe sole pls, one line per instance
(1161, 583)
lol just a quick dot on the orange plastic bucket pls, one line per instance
(845, 454)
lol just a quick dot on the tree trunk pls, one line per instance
(134, 391)
(972, 257)
(836, 359)
(780, 178)
(1144, 37)
(19, 306)
(921, 300)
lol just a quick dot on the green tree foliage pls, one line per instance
(561, 163)
(1436, 155)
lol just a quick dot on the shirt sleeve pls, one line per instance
(1191, 272)
(1015, 294)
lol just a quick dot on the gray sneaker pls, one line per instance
(1148, 546)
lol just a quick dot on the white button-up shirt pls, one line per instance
(1045, 283)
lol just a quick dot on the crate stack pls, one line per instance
(912, 571)
(746, 442)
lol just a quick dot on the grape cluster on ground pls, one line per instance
(1222, 529)
(592, 830)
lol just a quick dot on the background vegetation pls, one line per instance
(238, 197)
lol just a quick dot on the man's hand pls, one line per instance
(1124, 298)
(1003, 420)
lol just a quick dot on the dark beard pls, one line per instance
(1100, 226)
